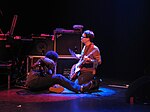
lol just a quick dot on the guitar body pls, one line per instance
(74, 72)
(77, 67)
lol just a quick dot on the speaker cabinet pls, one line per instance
(64, 65)
(40, 46)
(139, 90)
(66, 40)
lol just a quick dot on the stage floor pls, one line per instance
(109, 98)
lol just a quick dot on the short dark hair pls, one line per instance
(52, 55)
(89, 34)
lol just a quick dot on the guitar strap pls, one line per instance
(86, 49)
(81, 59)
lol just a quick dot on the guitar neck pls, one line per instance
(80, 63)
(82, 60)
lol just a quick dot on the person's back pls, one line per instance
(42, 70)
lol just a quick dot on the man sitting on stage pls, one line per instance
(85, 70)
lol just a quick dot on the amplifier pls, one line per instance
(40, 46)
(67, 39)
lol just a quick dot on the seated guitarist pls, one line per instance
(84, 71)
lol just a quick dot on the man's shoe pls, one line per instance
(56, 89)
(86, 87)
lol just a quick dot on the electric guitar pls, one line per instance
(77, 67)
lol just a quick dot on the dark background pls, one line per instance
(121, 28)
